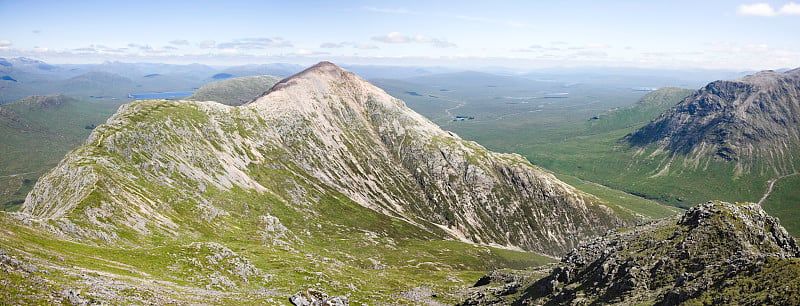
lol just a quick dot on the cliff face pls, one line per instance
(717, 253)
(753, 122)
(166, 169)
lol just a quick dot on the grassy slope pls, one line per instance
(236, 91)
(33, 139)
(782, 202)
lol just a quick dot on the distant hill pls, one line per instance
(35, 133)
(98, 84)
(647, 108)
(235, 91)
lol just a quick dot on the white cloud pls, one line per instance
(756, 9)
(206, 44)
(399, 38)
(180, 42)
(393, 38)
(790, 8)
(766, 10)
(309, 52)
(5, 43)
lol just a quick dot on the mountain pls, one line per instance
(752, 122)
(324, 183)
(329, 134)
(36, 133)
(236, 91)
(716, 253)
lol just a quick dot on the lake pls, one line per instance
(162, 95)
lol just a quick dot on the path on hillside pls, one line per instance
(18, 174)
(771, 183)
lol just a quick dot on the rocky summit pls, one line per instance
(716, 253)
(752, 122)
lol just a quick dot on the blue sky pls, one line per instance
(718, 34)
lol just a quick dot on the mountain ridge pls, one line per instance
(332, 131)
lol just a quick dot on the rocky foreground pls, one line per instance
(716, 253)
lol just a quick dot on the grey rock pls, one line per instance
(313, 297)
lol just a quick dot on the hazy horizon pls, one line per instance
(719, 35)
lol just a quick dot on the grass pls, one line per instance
(623, 203)
(782, 203)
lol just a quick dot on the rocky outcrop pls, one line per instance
(752, 122)
(717, 253)
(312, 297)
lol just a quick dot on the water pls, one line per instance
(162, 95)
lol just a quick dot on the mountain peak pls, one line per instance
(321, 68)
(315, 78)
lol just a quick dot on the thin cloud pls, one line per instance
(330, 45)
(180, 42)
(365, 46)
(255, 43)
(509, 23)
(399, 38)
(5, 43)
(766, 10)
(207, 44)
(387, 10)
(393, 38)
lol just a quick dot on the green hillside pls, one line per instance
(36, 133)
(235, 91)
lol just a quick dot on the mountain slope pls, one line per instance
(236, 91)
(716, 253)
(323, 133)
